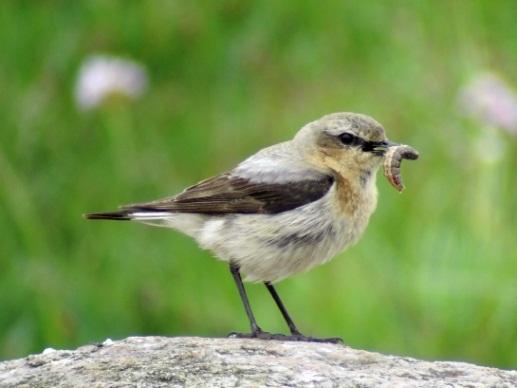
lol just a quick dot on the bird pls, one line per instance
(285, 209)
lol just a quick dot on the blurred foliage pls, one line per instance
(433, 277)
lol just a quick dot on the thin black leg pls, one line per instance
(295, 333)
(292, 327)
(255, 329)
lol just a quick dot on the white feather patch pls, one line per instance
(141, 216)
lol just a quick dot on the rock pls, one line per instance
(229, 362)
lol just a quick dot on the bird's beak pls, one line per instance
(380, 147)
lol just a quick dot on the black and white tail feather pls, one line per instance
(128, 215)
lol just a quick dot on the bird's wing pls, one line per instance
(229, 193)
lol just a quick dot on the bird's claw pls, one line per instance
(283, 337)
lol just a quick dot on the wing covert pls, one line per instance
(226, 194)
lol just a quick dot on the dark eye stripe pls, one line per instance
(353, 140)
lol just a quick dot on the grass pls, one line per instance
(433, 277)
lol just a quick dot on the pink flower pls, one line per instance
(101, 76)
(490, 100)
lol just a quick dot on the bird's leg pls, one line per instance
(283, 310)
(255, 329)
(295, 333)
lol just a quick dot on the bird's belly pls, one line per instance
(286, 254)
(272, 247)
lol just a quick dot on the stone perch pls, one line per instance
(227, 362)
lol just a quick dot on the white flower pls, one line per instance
(101, 76)
(489, 100)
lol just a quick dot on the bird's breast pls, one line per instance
(355, 198)
(354, 201)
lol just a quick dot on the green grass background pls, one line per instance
(433, 277)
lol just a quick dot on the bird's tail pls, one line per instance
(189, 224)
(129, 214)
(122, 215)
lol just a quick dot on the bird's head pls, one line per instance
(350, 142)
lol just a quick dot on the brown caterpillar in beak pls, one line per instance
(392, 160)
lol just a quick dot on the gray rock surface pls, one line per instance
(228, 362)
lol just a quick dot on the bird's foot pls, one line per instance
(263, 335)
(330, 340)
(297, 336)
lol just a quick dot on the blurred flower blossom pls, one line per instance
(490, 100)
(101, 76)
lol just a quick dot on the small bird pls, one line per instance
(283, 210)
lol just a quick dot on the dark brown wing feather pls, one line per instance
(225, 194)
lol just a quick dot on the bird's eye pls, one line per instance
(347, 138)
